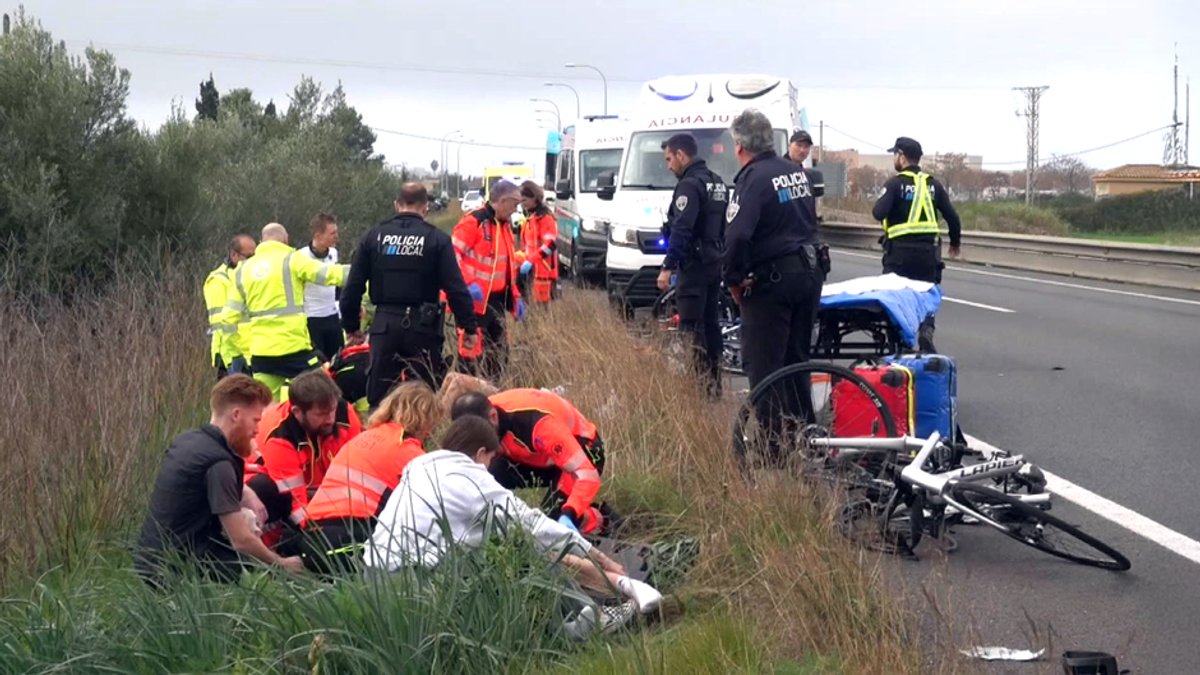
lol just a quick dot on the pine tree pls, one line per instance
(208, 106)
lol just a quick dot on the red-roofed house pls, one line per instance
(1133, 178)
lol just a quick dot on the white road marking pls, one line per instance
(980, 305)
(1109, 510)
(1049, 282)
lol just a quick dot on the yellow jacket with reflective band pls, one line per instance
(269, 291)
(922, 219)
(228, 341)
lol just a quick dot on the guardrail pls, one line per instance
(1163, 266)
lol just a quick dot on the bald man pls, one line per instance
(269, 291)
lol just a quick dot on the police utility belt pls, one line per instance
(424, 316)
(810, 257)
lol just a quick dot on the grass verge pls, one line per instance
(775, 588)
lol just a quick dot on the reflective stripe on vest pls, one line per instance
(922, 219)
(289, 292)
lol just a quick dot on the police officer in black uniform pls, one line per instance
(773, 263)
(908, 209)
(408, 262)
(694, 230)
(799, 147)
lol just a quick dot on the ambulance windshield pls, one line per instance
(647, 170)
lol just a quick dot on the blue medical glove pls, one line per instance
(526, 267)
(566, 521)
(520, 309)
(476, 292)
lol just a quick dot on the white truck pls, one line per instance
(590, 148)
(703, 106)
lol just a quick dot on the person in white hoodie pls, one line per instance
(446, 497)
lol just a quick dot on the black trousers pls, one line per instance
(778, 318)
(697, 298)
(515, 476)
(920, 260)
(402, 350)
(334, 546)
(492, 364)
(326, 335)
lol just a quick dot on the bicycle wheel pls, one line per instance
(1037, 528)
(775, 427)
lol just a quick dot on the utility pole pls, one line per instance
(1033, 96)
(821, 140)
(1174, 153)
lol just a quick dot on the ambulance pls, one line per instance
(703, 106)
(590, 154)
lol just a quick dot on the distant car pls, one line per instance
(472, 200)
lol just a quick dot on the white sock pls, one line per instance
(646, 596)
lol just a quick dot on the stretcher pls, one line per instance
(872, 316)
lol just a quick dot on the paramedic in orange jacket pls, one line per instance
(297, 440)
(483, 244)
(539, 240)
(341, 515)
(544, 441)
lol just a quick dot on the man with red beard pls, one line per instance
(196, 510)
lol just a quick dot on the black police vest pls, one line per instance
(709, 231)
(404, 270)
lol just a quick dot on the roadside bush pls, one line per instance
(1147, 213)
(80, 184)
(1012, 217)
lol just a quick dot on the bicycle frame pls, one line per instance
(938, 486)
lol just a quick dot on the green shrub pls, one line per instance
(1147, 213)
(1012, 217)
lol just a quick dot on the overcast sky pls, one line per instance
(939, 71)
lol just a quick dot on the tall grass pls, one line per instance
(102, 385)
(769, 551)
(95, 389)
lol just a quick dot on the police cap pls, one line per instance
(801, 136)
(907, 147)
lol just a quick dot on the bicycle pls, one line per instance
(912, 502)
(666, 318)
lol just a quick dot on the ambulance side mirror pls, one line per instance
(563, 189)
(606, 184)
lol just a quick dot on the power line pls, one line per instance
(262, 58)
(1098, 147)
(472, 143)
(855, 138)
(449, 70)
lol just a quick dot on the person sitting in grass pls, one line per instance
(199, 509)
(445, 498)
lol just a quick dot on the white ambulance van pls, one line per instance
(703, 106)
(591, 148)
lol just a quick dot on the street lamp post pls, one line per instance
(602, 77)
(446, 159)
(442, 155)
(557, 112)
(458, 165)
(578, 114)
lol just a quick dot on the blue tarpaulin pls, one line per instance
(907, 302)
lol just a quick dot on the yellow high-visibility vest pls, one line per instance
(922, 219)
(228, 341)
(268, 290)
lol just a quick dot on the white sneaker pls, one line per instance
(582, 625)
(616, 617)
(646, 596)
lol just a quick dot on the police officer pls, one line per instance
(693, 231)
(407, 262)
(772, 261)
(908, 208)
(799, 148)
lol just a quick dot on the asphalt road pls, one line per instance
(1102, 389)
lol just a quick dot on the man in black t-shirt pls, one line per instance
(196, 510)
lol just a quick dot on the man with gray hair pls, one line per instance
(772, 262)
(483, 245)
